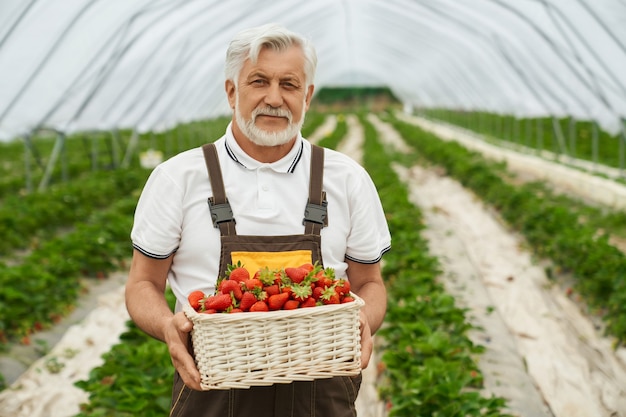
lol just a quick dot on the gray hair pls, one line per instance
(248, 44)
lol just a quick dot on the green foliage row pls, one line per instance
(333, 139)
(29, 219)
(557, 228)
(430, 361)
(572, 137)
(46, 284)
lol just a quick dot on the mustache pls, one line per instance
(271, 111)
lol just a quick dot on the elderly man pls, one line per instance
(266, 169)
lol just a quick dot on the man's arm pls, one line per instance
(147, 306)
(366, 281)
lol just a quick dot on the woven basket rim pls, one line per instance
(197, 317)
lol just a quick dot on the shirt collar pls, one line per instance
(287, 164)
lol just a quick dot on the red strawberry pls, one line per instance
(309, 302)
(343, 286)
(219, 302)
(259, 306)
(308, 267)
(330, 296)
(272, 289)
(239, 274)
(253, 283)
(317, 292)
(291, 305)
(277, 301)
(195, 298)
(347, 299)
(323, 281)
(296, 275)
(236, 310)
(247, 300)
(230, 286)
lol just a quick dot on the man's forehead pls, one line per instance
(288, 61)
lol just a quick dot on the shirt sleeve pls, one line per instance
(157, 223)
(369, 236)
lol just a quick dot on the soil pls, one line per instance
(543, 353)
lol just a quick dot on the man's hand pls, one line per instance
(367, 343)
(177, 338)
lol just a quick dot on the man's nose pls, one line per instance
(274, 97)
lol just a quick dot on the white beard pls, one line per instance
(262, 137)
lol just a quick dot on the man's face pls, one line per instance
(271, 97)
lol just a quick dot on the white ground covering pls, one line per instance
(542, 353)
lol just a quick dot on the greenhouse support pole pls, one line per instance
(28, 165)
(56, 151)
(558, 134)
(621, 150)
(572, 137)
(130, 149)
(539, 144)
(594, 143)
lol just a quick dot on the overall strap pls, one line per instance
(315, 214)
(221, 212)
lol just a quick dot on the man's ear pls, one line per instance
(309, 95)
(231, 93)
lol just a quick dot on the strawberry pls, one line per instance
(308, 267)
(247, 300)
(309, 302)
(291, 305)
(347, 299)
(259, 306)
(343, 286)
(236, 310)
(219, 302)
(195, 299)
(317, 292)
(229, 286)
(296, 275)
(253, 283)
(277, 301)
(330, 296)
(239, 274)
(301, 292)
(272, 289)
(323, 280)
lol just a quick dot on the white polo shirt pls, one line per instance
(172, 215)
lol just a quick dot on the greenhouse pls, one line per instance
(494, 134)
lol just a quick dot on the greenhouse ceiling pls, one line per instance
(74, 65)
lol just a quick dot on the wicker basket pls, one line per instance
(242, 350)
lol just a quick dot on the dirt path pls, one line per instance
(542, 354)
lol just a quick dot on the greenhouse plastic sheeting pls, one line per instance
(148, 64)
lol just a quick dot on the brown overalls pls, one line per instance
(333, 397)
